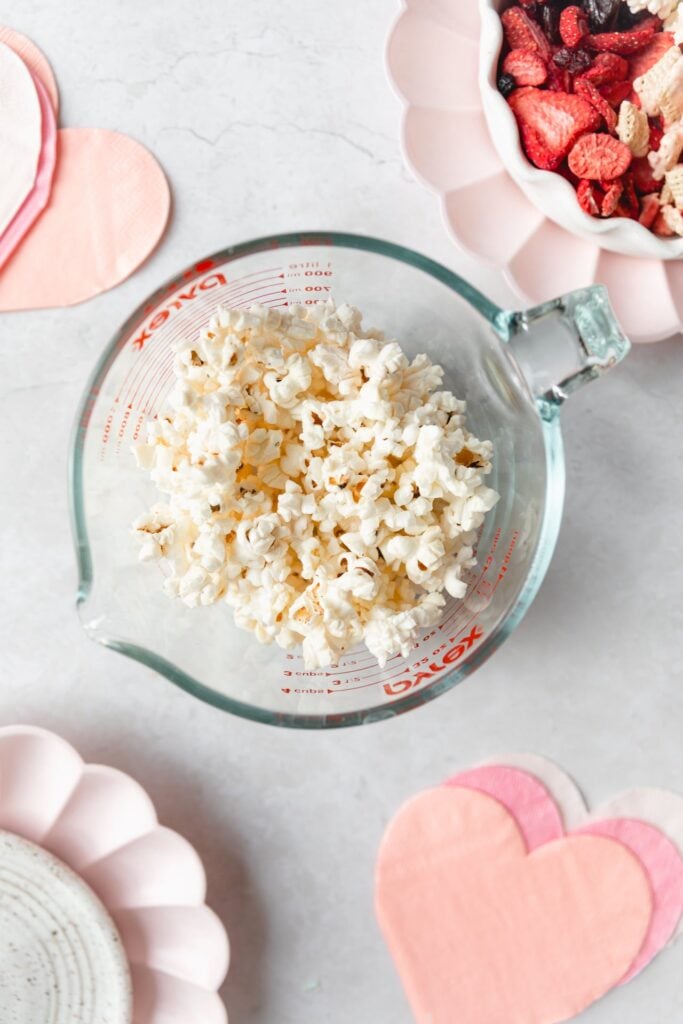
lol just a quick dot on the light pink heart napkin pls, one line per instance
(496, 913)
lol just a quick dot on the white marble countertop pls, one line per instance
(271, 116)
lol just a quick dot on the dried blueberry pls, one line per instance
(573, 61)
(602, 14)
(506, 84)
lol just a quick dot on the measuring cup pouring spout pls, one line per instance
(563, 344)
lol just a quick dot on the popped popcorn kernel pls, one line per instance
(315, 480)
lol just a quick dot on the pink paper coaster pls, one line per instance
(37, 199)
(108, 209)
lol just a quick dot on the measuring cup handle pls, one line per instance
(565, 343)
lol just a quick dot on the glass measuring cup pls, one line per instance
(514, 370)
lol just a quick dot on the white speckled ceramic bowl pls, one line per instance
(102, 913)
(550, 192)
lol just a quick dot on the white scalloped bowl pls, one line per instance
(102, 825)
(550, 192)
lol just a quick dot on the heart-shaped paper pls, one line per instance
(108, 208)
(540, 821)
(20, 134)
(34, 59)
(38, 197)
(484, 933)
(659, 808)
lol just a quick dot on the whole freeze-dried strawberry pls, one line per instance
(625, 42)
(526, 67)
(573, 26)
(590, 197)
(649, 209)
(613, 194)
(556, 118)
(522, 33)
(606, 68)
(584, 88)
(601, 157)
(650, 55)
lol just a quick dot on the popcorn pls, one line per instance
(315, 480)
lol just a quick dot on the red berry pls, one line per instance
(625, 42)
(611, 199)
(607, 67)
(524, 34)
(660, 227)
(526, 67)
(573, 26)
(595, 98)
(642, 176)
(651, 54)
(589, 197)
(556, 118)
(656, 135)
(616, 92)
(600, 157)
(649, 209)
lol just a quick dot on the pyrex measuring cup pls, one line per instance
(514, 370)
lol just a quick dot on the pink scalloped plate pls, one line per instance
(433, 62)
(102, 825)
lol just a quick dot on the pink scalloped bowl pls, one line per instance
(102, 824)
(433, 62)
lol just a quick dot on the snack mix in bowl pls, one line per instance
(597, 92)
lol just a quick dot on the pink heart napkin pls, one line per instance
(109, 206)
(38, 197)
(20, 134)
(540, 821)
(484, 932)
(34, 59)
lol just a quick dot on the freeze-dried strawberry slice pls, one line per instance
(590, 197)
(537, 151)
(597, 100)
(641, 63)
(526, 67)
(606, 68)
(611, 199)
(573, 26)
(556, 118)
(616, 92)
(642, 176)
(599, 156)
(629, 199)
(524, 34)
(649, 209)
(625, 42)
